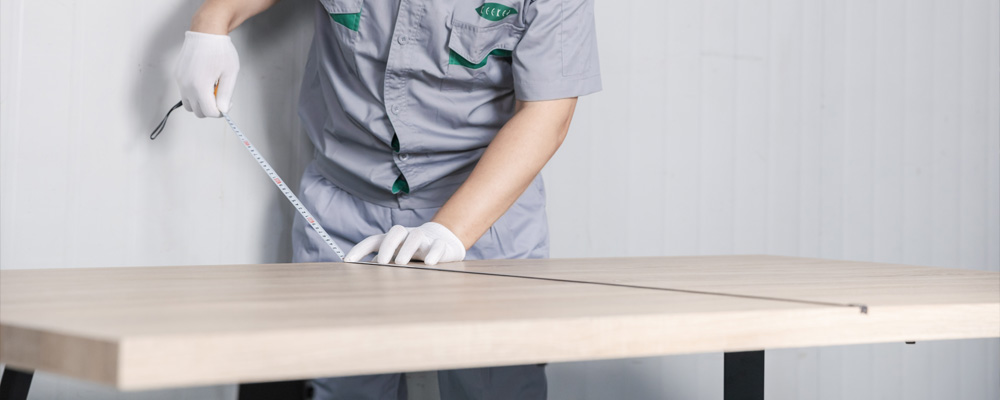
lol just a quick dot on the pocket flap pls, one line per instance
(473, 43)
(342, 6)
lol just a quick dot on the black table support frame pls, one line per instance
(744, 375)
(293, 390)
(15, 384)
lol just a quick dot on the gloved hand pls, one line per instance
(206, 59)
(430, 242)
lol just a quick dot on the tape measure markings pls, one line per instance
(284, 188)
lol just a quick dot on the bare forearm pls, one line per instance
(222, 16)
(514, 157)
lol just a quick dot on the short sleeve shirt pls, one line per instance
(401, 98)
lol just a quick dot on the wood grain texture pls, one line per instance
(812, 279)
(154, 327)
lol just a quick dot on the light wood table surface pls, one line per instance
(158, 327)
(881, 286)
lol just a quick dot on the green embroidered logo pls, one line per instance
(494, 11)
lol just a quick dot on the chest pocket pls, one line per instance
(480, 56)
(345, 20)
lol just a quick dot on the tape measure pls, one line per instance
(270, 173)
(284, 188)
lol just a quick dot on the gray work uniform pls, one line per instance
(400, 99)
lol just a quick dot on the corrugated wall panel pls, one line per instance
(823, 128)
(855, 130)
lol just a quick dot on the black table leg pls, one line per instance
(293, 390)
(15, 383)
(744, 375)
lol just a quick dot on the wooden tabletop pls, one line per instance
(811, 279)
(156, 327)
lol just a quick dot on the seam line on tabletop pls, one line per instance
(861, 307)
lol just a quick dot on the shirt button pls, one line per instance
(395, 109)
(402, 39)
(404, 157)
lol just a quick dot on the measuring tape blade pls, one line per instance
(284, 188)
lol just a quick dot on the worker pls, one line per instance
(431, 122)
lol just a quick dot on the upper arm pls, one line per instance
(245, 9)
(555, 106)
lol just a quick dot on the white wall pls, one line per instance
(84, 83)
(860, 130)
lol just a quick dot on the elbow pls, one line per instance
(563, 130)
(565, 121)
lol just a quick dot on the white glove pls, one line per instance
(206, 59)
(430, 242)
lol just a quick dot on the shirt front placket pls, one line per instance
(405, 40)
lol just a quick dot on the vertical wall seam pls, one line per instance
(701, 120)
(734, 101)
(986, 149)
(931, 166)
(873, 143)
(79, 37)
(822, 119)
(961, 132)
(801, 144)
(843, 132)
(767, 128)
(902, 143)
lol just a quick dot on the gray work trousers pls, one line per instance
(522, 232)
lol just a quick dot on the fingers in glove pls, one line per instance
(390, 244)
(191, 102)
(364, 248)
(206, 103)
(224, 97)
(435, 253)
(410, 247)
(187, 103)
